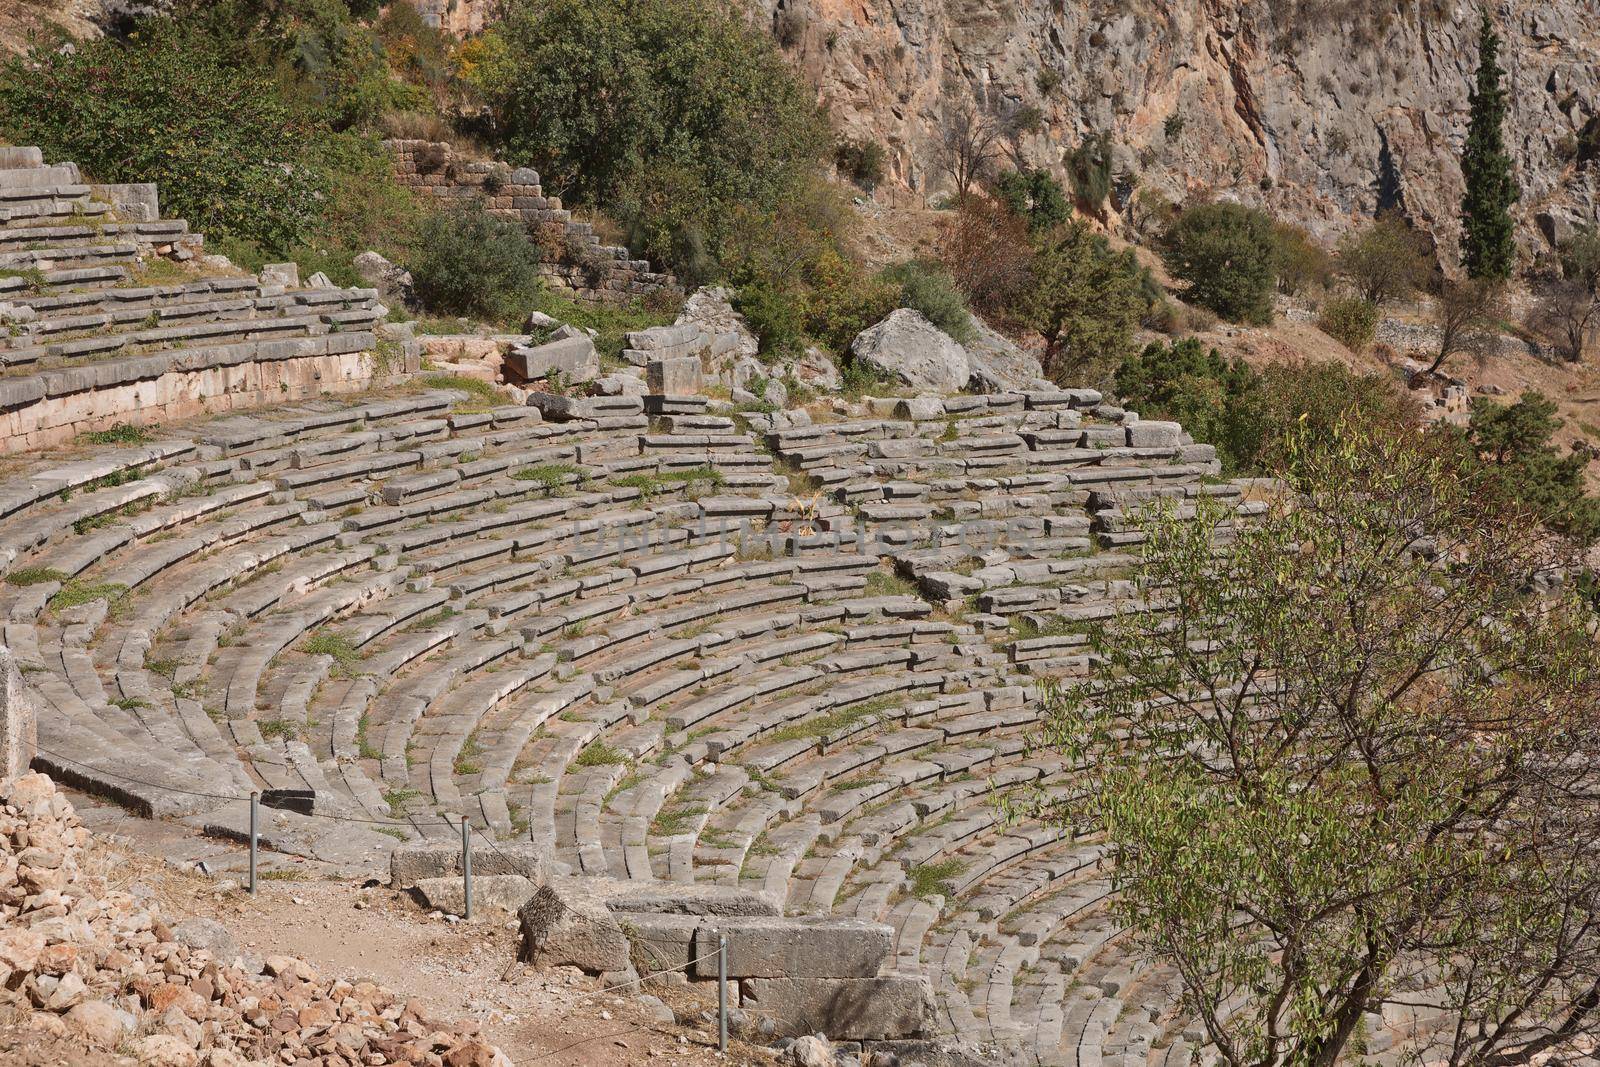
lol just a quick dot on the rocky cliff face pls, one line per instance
(1321, 110)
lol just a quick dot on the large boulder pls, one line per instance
(393, 282)
(908, 348)
(999, 366)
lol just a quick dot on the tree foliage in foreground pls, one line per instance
(1350, 768)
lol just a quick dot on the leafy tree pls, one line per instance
(1349, 759)
(1468, 315)
(1488, 250)
(1568, 313)
(469, 262)
(674, 114)
(1035, 196)
(1580, 258)
(1302, 262)
(987, 249)
(1227, 253)
(1248, 414)
(1513, 443)
(1385, 261)
(929, 289)
(169, 105)
(1086, 300)
(860, 160)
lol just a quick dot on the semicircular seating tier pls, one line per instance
(669, 649)
(113, 316)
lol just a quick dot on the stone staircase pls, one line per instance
(113, 318)
(661, 648)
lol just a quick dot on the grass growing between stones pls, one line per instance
(1025, 627)
(35, 576)
(121, 434)
(481, 396)
(933, 879)
(76, 593)
(599, 754)
(883, 583)
(341, 649)
(428, 622)
(397, 798)
(365, 748)
(822, 725)
(650, 485)
(553, 476)
(670, 822)
(272, 729)
(466, 761)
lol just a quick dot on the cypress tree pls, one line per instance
(1487, 248)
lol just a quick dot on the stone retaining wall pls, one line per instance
(49, 409)
(575, 260)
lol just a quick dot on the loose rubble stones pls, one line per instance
(105, 962)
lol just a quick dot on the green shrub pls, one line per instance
(1033, 195)
(469, 262)
(670, 113)
(1227, 253)
(929, 289)
(1086, 300)
(1089, 170)
(860, 160)
(1246, 414)
(775, 316)
(842, 299)
(1350, 320)
(1513, 443)
(168, 105)
(1216, 401)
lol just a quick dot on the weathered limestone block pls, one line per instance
(846, 1009)
(674, 376)
(1154, 434)
(571, 928)
(411, 864)
(492, 894)
(574, 358)
(798, 947)
(18, 719)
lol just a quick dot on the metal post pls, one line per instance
(466, 867)
(722, 992)
(255, 799)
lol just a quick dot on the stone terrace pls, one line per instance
(576, 261)
(660, 646)
(111, 317)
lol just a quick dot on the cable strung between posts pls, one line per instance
(517, 867)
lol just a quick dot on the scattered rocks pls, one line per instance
(101, 962)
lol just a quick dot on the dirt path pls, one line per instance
(459, 970)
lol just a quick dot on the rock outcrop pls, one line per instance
(1322, 111)
(912, 351)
